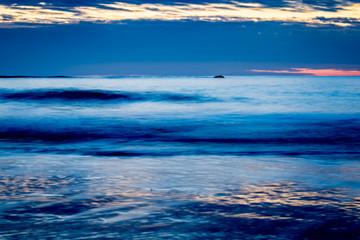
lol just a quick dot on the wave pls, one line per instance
(223, 130)
(96, 95)
(181, 134)
(111, 137)
(290, 153)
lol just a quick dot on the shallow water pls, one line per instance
(180, 158)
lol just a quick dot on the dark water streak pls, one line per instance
(95, 95)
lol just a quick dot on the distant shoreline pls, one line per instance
(23, 76)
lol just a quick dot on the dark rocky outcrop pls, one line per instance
(219, 76)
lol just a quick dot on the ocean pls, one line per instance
(244, 157)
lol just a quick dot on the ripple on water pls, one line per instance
(273, 210)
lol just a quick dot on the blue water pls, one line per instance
(180, 158)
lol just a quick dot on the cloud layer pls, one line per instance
(314, 72)
(342, 15)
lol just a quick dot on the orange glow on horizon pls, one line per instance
(314, 72)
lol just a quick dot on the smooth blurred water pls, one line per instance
(180, 158)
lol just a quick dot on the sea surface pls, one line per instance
(250, 157)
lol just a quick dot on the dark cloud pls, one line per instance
(329, 5)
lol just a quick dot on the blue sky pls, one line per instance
(102, 37)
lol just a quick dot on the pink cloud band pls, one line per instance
(313, 72)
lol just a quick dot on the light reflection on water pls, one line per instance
(155, 198)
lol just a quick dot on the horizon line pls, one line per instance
(157, 75)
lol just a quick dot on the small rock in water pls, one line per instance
(219, 76)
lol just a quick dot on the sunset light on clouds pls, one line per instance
(42, 13)
(313, 72)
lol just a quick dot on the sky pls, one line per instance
(186, 37)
